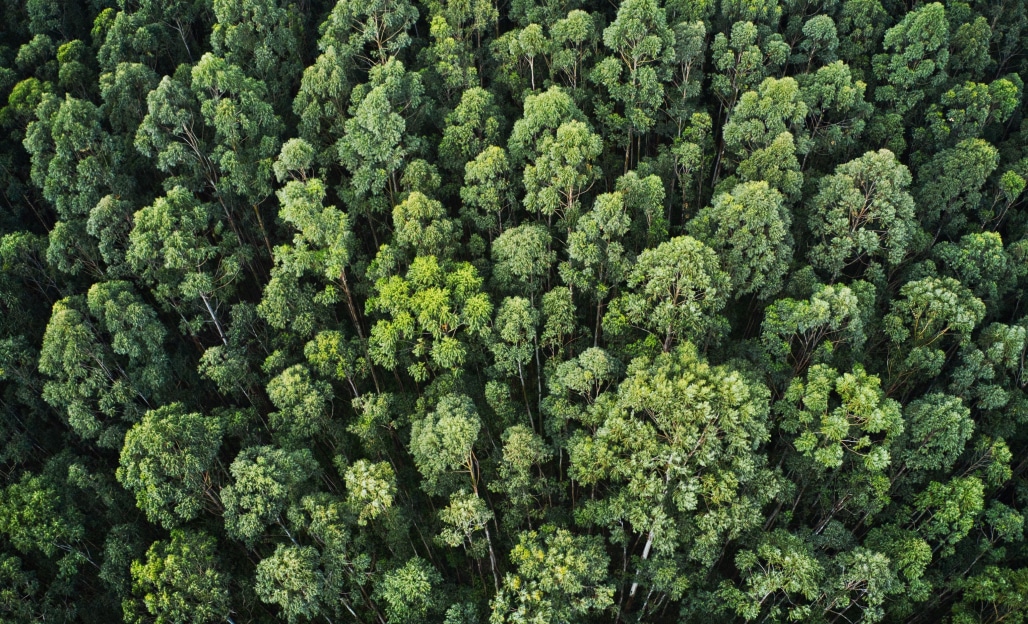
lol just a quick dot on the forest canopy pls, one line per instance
(513, 311)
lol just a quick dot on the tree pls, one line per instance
(561, 173)
(597, 262)
(543, 114)
(927, 311)
(106, 360)
(432, 315)
(820, 40)
(517, 50)
(675, 293)
(38, 518)
(179, 583)
(409, 592)
(863, 213)
(291, 579)
(516, 339)
(523, 257)
(782, 568)
(915, 61)
(966, 110)
(749, 231)
(20, 588)
(169, 460)
(463, 519)
(980, 262)
(687, 75)
(370, 489)
(951, 184)
(375, 142)
(212, 128)
(420, 226)
(741, 62)
(801, 333)
(473, 126)
(322, 100)
(74, 162)
(944, 513)
(304, 404)
(938, 428)
(560, 577)
(261, 37)
(644, 202)
(485, 195)
(836, 110)
(264, 480)
(371, 33)
(859, 421)
(451, 59)
(642, 47)
(861, 25)
(995, 595)
(523, 449)
(575, 39)
(443, 442)
(676, 445)
(765, 131)
(178, 246)
(159, 34)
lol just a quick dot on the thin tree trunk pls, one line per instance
(214, 318)
(357, 325)
(645, 556)
(492, 558)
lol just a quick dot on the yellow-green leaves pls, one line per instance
(839, 416)
(370, 489)
(431, 314)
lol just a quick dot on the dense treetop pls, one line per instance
(520, 312)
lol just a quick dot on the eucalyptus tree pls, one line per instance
(675, 292)
(749, 230)
(180, 581)
(170, 461)
(105, 357)
(674, 457)
(642, 51)
(863, 215)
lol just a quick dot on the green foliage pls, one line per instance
(264, 480)
(642, 48)
(837, 415)
(419, 311)
(675, 444)
(782, 564)
(290, 578)
(676, 291)
(167, 461)
(179, 582)
(749, 231)
(96, 383)
(375, 145)
(929, 310)
(560, 577)
(915, 57)
(443, 442)
(370, 489)
(409, 591)
(763, 133)
(994, 595)
(863, 213)
(432, 314)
